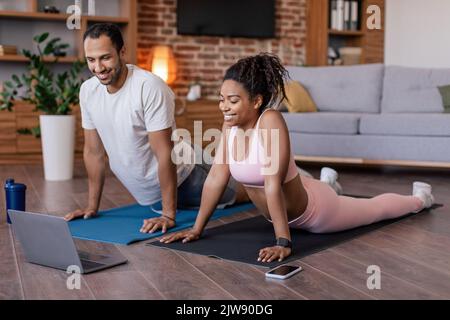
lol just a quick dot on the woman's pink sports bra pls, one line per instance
(249, 171)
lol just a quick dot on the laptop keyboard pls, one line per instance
(90, 256)
(88, 260)
(90, 264)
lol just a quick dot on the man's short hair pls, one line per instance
(110, 30)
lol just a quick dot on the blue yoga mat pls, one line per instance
(122, 225)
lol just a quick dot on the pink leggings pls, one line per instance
(328, 212)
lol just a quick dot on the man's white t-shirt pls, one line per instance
(123, 119)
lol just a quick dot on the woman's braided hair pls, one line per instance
(263, 75)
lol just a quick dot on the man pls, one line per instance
(128, 114)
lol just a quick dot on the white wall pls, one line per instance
(417, 33)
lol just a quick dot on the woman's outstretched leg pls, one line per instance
(354, 212)
(331, 213)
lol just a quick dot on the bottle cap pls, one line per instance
(10, 185)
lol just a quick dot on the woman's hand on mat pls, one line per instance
(154, 224)
(270, 254)
(186, 235)
(80, 213)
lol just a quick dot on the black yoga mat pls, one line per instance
(242, 240)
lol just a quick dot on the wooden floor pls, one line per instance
(413, 254)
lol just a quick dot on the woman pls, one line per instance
(250, 88)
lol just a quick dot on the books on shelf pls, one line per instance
(340, 15)
(4, 50)
(347, 5)
(333, 14)
(344, 15)
(354, 15)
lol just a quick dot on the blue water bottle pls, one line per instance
(15, 196)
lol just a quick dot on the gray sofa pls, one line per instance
(372, 112)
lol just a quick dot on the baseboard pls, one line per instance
(369, 162)
(35, 158)
(27, 158)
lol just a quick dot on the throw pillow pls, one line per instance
(298, 98)
(445, 94)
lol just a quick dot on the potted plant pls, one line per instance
(54, 95)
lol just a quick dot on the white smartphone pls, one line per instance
(283, 272)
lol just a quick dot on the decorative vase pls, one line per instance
(58, 145)
(194, 92)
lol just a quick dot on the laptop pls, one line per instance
(47, 241)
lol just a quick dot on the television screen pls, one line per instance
(229, 18)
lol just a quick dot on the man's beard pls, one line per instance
(117, 71)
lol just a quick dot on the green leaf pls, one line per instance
(6, 106)
(48, 50)
(26, 80)
(53, 41)
(41, 38)
(8, 84)
(36, 131)
(26, 53)
(16, 79)
(51, 93)
(24, 131)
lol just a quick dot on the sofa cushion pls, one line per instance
(342, 88)
(414, 124)
(375, 147)
(323, 122)
(407, 89)
(298, 98)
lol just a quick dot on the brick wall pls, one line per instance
(207, 58)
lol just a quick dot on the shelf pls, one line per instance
(345, 33)
(58, 17)
(107, 19)
(320, 37)
(20, 58)
(33, 15)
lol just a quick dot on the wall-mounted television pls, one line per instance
(228, 18)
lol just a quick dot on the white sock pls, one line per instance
(330, 176)
(422, 191)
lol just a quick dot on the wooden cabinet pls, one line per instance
(320, 36)
(7, 132)
(20, 148)
(206, 113)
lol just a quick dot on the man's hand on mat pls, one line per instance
(85, 214)
(270, 254)
(186, 235)
(154, 224)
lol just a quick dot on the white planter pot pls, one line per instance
(58, 145)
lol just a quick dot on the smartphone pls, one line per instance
(283, 272)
